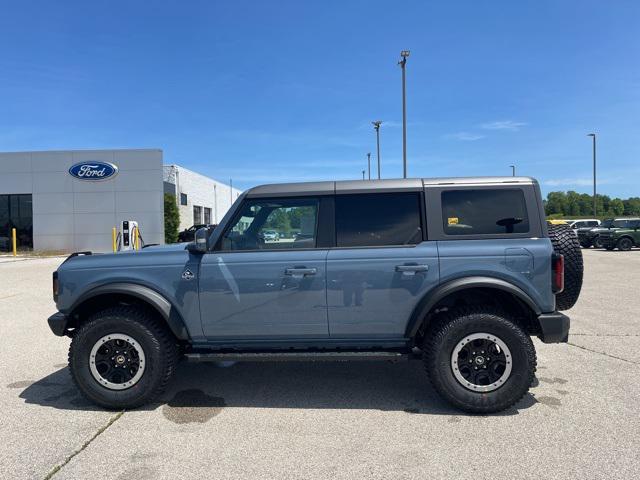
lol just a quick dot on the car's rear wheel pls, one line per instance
(122, 357)
(479, 360)
(625, 244)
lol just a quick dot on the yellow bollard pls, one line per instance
(14, 242)
(137, 239)
(114, 235)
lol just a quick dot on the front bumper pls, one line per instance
(58, 324)
(554, 327)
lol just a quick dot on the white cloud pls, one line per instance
(556, 182)
(464, 136)
(503, 125)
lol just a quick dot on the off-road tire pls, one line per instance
(451, 328)
(624, 244)
(597, 243)
(565, 242)
(157, 342)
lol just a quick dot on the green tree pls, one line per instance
(171, 219)
(616, 207)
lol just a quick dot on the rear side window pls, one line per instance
(484, 212)
(381, 219)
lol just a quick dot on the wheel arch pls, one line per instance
(452, 289)
(106, 295)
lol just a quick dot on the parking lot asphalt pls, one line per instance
(320, 420)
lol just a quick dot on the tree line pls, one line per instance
(574, 204)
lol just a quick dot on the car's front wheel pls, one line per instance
(479, 360)
(122, 357)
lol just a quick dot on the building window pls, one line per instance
(207, 216)
(375, 220)
(183, 199)
(16, 212)
(484, 212)
(197, 215)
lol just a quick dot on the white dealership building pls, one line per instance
(71, 200)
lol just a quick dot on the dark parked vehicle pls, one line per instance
(591, 237)
(189, 234)
(623, 238)
(460, 272)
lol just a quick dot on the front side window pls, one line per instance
(276, 224)
(484, 212)
(381, 219)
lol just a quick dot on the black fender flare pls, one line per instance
(430, 299)
(164, 308)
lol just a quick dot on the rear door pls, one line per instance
(381, 265)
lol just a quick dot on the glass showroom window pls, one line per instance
(197, 215)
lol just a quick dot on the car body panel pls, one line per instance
(369, 294)
(250, 295)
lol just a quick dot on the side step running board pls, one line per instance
(296, 356)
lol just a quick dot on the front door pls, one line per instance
(266, 279)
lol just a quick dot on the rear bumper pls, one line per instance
(58, 324)
(554, 327)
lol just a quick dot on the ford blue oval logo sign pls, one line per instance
(93, 170)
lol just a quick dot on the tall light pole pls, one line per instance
(369, 164)
(376, 126)
(403, 62)
(513, 170)
(231, 191)
(362, 174)
(593, 135)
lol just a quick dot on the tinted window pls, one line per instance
(378, 219)
(197, 214)
(484, 212)
(273, 225)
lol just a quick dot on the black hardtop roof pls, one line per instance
(372, 186)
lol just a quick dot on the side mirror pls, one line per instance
(199, 244)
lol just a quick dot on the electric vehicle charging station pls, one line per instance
(129, 234)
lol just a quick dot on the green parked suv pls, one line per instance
(624, 238)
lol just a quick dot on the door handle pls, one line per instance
(300, 272)
(408, 269)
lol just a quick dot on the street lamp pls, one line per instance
(376, 126)
(369, 164)
(403, 62)
(513, 170)
(594, 171)
(362, 174)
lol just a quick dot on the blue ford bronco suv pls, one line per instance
(459, 271)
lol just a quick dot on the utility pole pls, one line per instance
(513, 170)
(403, 62)
(593, 135)
(376, 126)
(369, 164)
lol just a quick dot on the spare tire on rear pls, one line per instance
(565, 242)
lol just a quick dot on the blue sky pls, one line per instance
(285, 91)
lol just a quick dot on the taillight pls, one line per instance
(55, 286)
(557, 271)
